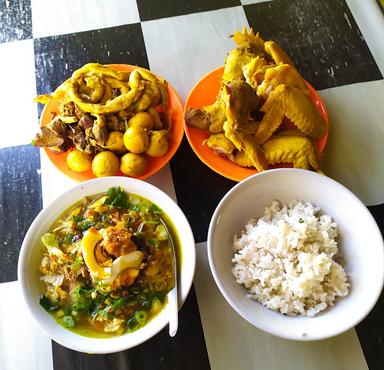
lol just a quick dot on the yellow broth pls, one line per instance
(89, 305)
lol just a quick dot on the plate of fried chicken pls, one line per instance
(255, 113)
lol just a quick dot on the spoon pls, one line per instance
(172, 295)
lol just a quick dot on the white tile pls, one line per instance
(53, 181)
(56, 17)
(182, 49)
(22, 344)
(164, 181)
(17, 91)
(247, 2)
(370, 20)
(233, 343)
(355, 151)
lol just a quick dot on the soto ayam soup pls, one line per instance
(108, 264)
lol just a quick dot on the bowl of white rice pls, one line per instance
(296, 254)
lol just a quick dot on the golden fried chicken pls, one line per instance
(117, 241)
(297, 106)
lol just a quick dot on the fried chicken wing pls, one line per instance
(297, 150)
(277, 53)
(297, 106)
(220, 144)
(282, 74)
(255, 70)
(273, 116)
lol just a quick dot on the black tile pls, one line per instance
(56, 57)
(370, 330)
(20, 202)
(149, 9)
(15, 20)
(321, 36)
(198, 189)
(185, 351)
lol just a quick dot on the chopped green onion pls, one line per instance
(47, 304)
(117, 197)
(161, 233)
(119, 302)
(146, 305)
(134, 200)
(156, 305)
(68, 321)
(132, 325)
(141, 317)
(77, 219)
(85, 225)
(144, 206)
(155, 209)
(153, 243)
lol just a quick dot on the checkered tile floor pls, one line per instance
(337, 45)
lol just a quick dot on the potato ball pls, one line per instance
(158, 143)
(79, 161)
(115, 141)
(136, 139)
(105, 164)
(132, 164)
(142, 119)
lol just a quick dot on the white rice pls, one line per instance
(286, 259)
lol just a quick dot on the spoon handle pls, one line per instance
(173, 311)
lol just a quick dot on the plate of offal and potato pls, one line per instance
(107, 120)
(254, 113)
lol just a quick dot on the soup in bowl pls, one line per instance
(97, 264)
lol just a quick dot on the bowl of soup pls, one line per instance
(97, 264)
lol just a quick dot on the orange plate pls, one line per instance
(153, 164)
(204, 93)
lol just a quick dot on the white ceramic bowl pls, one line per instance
(31, 252)
(360, 242)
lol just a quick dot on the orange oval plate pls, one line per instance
(204, 93)
(153, 164)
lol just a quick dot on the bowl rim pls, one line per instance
(228, 296)
(110, 346)
(177, 134)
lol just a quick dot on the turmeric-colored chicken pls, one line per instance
(243, 129)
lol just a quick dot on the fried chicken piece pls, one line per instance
(117, 241)
(277, 53)
(241, 158)
(216, 114)
(272, 118)
(250, 45)
(297, 150)
(198, 118)
(281, 74)
(297, 106)
(240, 101)
(255, 70)
(249, 39)
(238, 116)
(220, 144)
